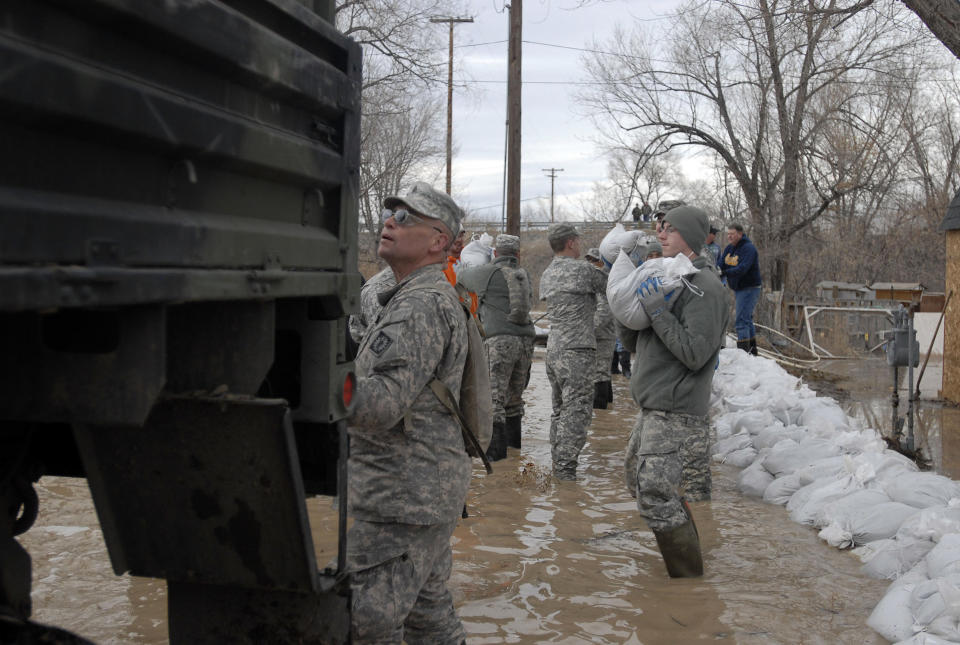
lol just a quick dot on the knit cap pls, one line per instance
(653, 247)
(692, 224)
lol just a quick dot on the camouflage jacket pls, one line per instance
(407, 460)
(570, 287)
(603, 323)
(369, 305)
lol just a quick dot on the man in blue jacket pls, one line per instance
(741, 267)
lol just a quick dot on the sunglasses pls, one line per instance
(404, 217)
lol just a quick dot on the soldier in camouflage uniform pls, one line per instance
(504, 295)
(570, 287)
(668, 458)
(408, 470)
(606, 334)
(369, 305)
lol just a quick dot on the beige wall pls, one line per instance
(951, 321)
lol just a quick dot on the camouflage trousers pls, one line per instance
(605, 349)
(668, 457)
(571, 381)
(398, 582)
(509, 360)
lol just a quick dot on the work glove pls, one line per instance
(655, 298)
(732, 260)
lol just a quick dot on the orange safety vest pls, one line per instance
(452, 279)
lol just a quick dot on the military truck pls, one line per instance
(178, 222)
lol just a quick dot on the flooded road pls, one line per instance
(537, 561)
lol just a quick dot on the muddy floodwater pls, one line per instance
(865, 391)
(537, 561)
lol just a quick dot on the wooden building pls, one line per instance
(903, 292)
(951, 321)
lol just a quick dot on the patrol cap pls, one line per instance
(593, 254)
(427, 200)
(508, 244)
(562, 231)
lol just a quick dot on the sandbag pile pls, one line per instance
(802, 451)
(478, 251)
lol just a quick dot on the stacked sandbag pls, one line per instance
(802, 451)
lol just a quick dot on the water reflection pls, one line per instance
(867, 392)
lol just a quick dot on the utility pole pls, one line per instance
(451, 22)
(552, 174)
(514, 87)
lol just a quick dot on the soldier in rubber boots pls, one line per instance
(504, 294)
(668, 456)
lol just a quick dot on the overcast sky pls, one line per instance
(555, 134)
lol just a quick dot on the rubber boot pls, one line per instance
(609, 391)
(753, 346)
(744, 345)
(513, 431)
(680, 549)
(497, 449)
(599, 396)
(615, 365)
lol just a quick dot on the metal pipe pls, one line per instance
(910, 358)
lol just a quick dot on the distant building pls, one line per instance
(843, 291)
(902, 292)
(951, 321)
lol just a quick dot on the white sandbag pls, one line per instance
(617, 239)
(770, 436)
(945, 553)
(813, 506)
(893, 557)
(741, 458)
(622, 286)
(753, 421)
(804, 493)
(478, 252)
(931, 523)
(892, 618)
(827, 467)
(822, 414)
(924, 638)
(734, 442)
(836, 536)
(782, 489)
(609, 249)
(784, 459)
(841, 510)
(754, 479)
(935, 605)
(921, 490)
(878, 521)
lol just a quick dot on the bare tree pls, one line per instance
(755, 84)
(404, 80)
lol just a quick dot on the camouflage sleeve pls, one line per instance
(357, 326)
(599, 279)
(407, 345)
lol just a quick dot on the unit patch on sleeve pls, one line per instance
(380, 344)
